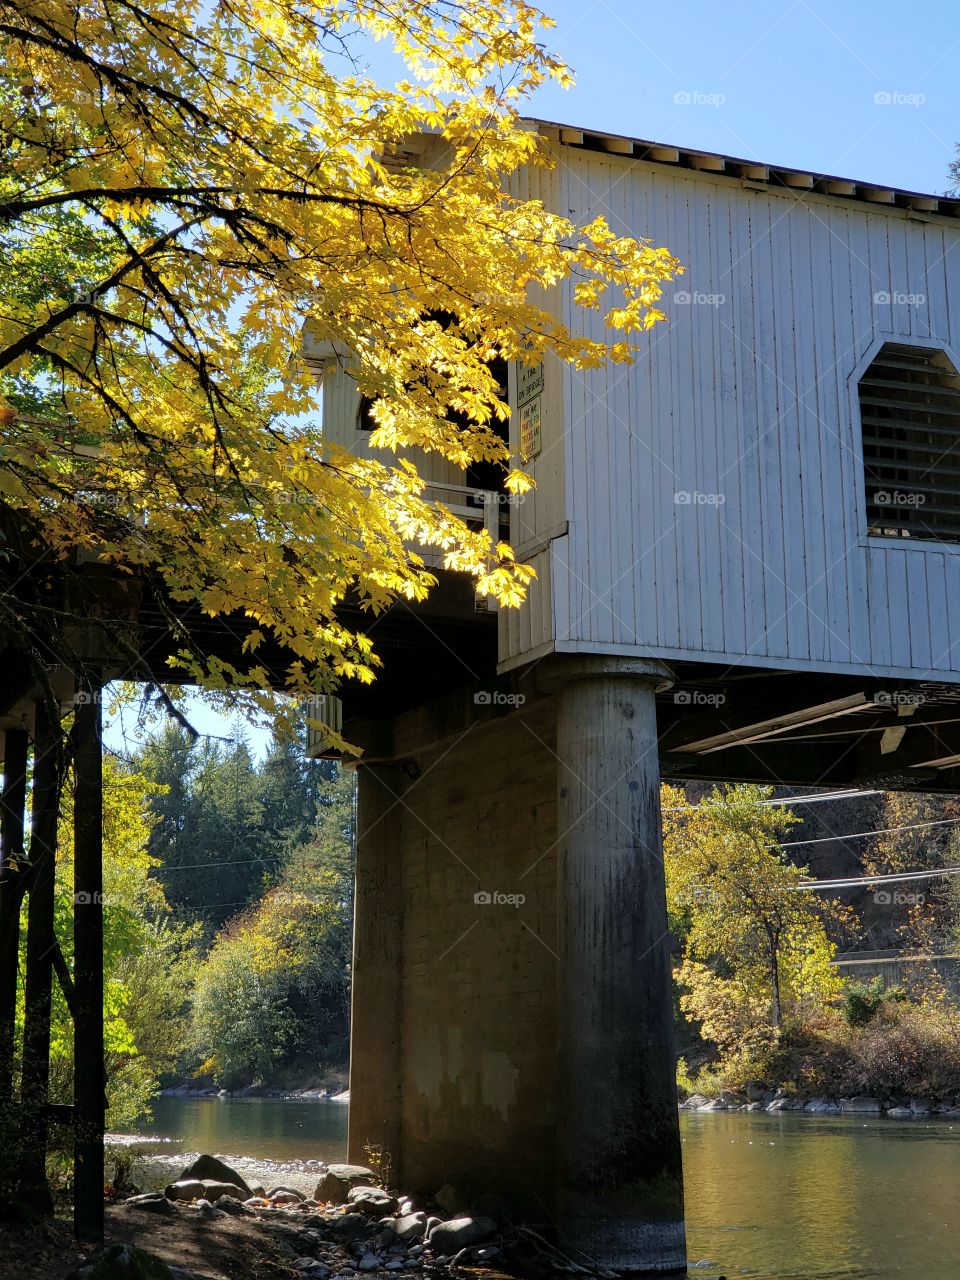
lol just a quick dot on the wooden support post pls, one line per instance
(89, 1084)
(12, 881)
(12, 867)
(38, 980)
(620, 1196)
(376, 1003)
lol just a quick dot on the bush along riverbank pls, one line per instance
(210, 1223)
(882, 1052)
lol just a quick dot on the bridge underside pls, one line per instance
(512, 1016)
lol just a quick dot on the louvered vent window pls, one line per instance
(910, 415)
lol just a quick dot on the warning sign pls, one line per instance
(530, 429)
(529, 382)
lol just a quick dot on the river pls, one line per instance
(770, 1197)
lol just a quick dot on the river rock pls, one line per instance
(822, 1106)
(352, 1226)
(228, 1204)
(411, 1226)
(372, 1200)
(715, 1104)
(900, 1113)
(185, 1189)
(860, 1105)
(732, 1097)
(921, 1106)
(285, 1197)
(209, 1167)
(451, 1237)
(151, 1202)
(756, 1106)
(336, 1183)
(694, 1102)
(784, 1102)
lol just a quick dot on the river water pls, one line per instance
(770, 1197)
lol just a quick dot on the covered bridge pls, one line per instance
(748, 567)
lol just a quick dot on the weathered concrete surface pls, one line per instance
(620, 1197)
(376, 976)
(479, 977)
(456, 1022)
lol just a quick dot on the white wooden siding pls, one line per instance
(753, 399)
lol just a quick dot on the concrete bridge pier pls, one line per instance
(512, 1021)
(620, 1195)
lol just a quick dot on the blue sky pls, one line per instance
(790, 82)
(852, 89)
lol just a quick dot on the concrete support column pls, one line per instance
(377, 955)
(620, 1195)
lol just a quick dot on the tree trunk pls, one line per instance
(775, 975)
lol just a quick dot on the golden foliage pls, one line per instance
(186, 186)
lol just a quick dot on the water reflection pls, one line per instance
(772, 1197)
(781, 1197)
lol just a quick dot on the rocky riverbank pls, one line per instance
(759, 1099)
(210, 1223)
(309, 1093)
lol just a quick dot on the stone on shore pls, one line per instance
(352, 1226)
(450, 1237)
(372, 1200)
(337, 1182)
(784, 1101)
(151, 1202)
(411, 1226)
(206, 1188)
(209, 1167)
(822, 1106)
(860, 1105)
(694, 1102)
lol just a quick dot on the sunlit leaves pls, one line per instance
(187, 186)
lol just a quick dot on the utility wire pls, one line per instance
(792, 800)
(861, 835)
(894, 877)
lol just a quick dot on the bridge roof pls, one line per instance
(752, 174)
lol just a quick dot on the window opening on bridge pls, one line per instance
(910, 417)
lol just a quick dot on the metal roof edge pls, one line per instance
(748, 171)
